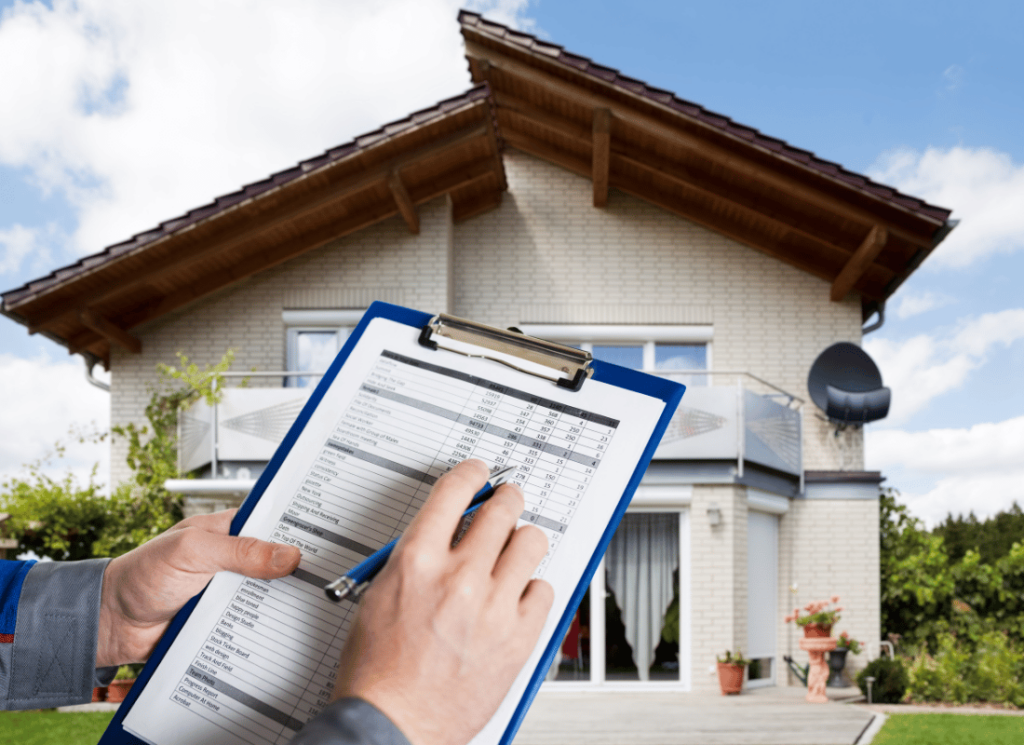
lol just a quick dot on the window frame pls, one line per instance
(648, 336)
(339, 321)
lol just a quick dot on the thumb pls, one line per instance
(249, 556)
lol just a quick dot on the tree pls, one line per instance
(916, 583)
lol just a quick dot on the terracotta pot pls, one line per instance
(730, 678)
(118, 689)
(817, 631)
(99, 693)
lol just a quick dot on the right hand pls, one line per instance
(443, 632)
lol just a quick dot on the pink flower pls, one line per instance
(835, 598)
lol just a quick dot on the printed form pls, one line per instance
(257, 659)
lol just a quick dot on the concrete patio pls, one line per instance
(766, 716)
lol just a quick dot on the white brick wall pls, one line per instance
(718, 577)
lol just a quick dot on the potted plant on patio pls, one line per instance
(730, 672)
(121, 684)
(819, 619)
(837, 659)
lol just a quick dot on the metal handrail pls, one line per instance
(743, 373)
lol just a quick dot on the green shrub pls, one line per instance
(996, 672)
(890, 684)
(924, 682)
(992, 672)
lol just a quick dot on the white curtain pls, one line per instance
(642, 555)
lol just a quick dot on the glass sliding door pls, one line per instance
(641, 609)
(632, 629)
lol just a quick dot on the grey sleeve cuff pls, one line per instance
(53, 661)
(350, 721)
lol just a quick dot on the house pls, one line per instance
(587, 207)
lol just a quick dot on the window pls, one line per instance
(661, 349)
(313, 339)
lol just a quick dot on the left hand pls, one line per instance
(145, 588)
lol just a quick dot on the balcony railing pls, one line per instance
(733, 416)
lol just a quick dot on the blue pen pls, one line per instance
(355, 581)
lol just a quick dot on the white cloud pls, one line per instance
(138, 111)
(983, 187)
(980, 468)
(45, 400)
(20, 244)
(926, 366)
(914, 304)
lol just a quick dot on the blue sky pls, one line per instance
(121, 113)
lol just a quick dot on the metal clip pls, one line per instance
(574, 364)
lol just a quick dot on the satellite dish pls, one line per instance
(846, 384)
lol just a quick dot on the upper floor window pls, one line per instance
(313, 339)
(661, 349)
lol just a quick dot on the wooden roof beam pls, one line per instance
(749, 212)
(276, 217)
(601, 158)
(677, 174)
(404, 203)
(859, 263)
(747, 168)
(112, 332)
(463, 176)
(755, 242)
(534, 114)
(540, 149)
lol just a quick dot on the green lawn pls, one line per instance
(52, 728)
(950, 729)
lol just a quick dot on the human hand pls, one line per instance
(443, 632)
(143, 589)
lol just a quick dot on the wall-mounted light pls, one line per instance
(714, 515)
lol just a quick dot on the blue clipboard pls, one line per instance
(668, 391)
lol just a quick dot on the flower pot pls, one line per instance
(817, 631)
(836, 663)
(99, 693)
(730, 678)
(118, 689)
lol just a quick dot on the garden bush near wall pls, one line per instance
(61, 520)
(958, 622)
(926, 596)
(993, 672)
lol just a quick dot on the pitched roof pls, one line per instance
(619, 132)
(451, 148)
(474, 22)
(622, 133)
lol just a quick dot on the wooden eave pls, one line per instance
(860, 236)
(452, 149)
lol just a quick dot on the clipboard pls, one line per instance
(565, 367)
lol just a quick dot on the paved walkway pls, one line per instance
(765, 716)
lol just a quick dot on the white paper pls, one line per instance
(256, 660)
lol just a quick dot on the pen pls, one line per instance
(356, 579)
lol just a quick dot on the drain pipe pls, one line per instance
(877, 324)
(89, 365)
